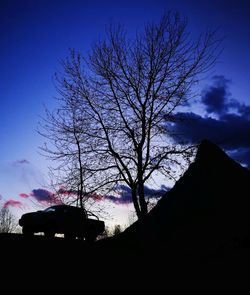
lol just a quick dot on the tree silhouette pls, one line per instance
(69, 178)
(65, 132)
(7, 221)
(121, 95)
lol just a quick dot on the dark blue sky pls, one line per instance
(35, 34)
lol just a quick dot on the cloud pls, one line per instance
(63, 191)
(25, 196)
(124, 194)
(12, 203)
(122, 198)
(216, 97)
(244, 110)
(43, 196)
(22, 172)
(241, 155)
(97, 197)
(155, 193)
(20, 162)
(230, 129)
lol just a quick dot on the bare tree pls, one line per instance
(123, 93)
(65, 144)
(65, 135)
(7, 221)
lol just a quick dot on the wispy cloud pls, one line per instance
(20, 162)
(12, 203)
(124, 197)
(121, 197)
(63, 191)
(23, 172)
(42, 196)
(25, 196)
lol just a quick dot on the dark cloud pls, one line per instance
(44, 196)
(155, 193)
(123, 196)
(231, 128)
(216, 97)
(121, 200)
(124, 193)
(243, 110)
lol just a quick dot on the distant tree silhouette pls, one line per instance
(7, 221)
(111, 231)
(117, 229)
(120, 97)
(106, 233)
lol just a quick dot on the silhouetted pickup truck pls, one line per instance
(62, 219)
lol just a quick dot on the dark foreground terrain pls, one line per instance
(196, 240)
(179, 270)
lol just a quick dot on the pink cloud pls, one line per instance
(12, 203)
(25, 196)
(44, 196)
(63, 191)
(47, 197)
(96, 197)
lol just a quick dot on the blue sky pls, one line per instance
(36, 34)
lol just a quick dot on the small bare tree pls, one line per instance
(122, 95)
(65, 145)
(7, 221)
(65, 135)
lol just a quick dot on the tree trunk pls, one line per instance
(80, 188)
(135, 201)
(142, 201)
(141, 193)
